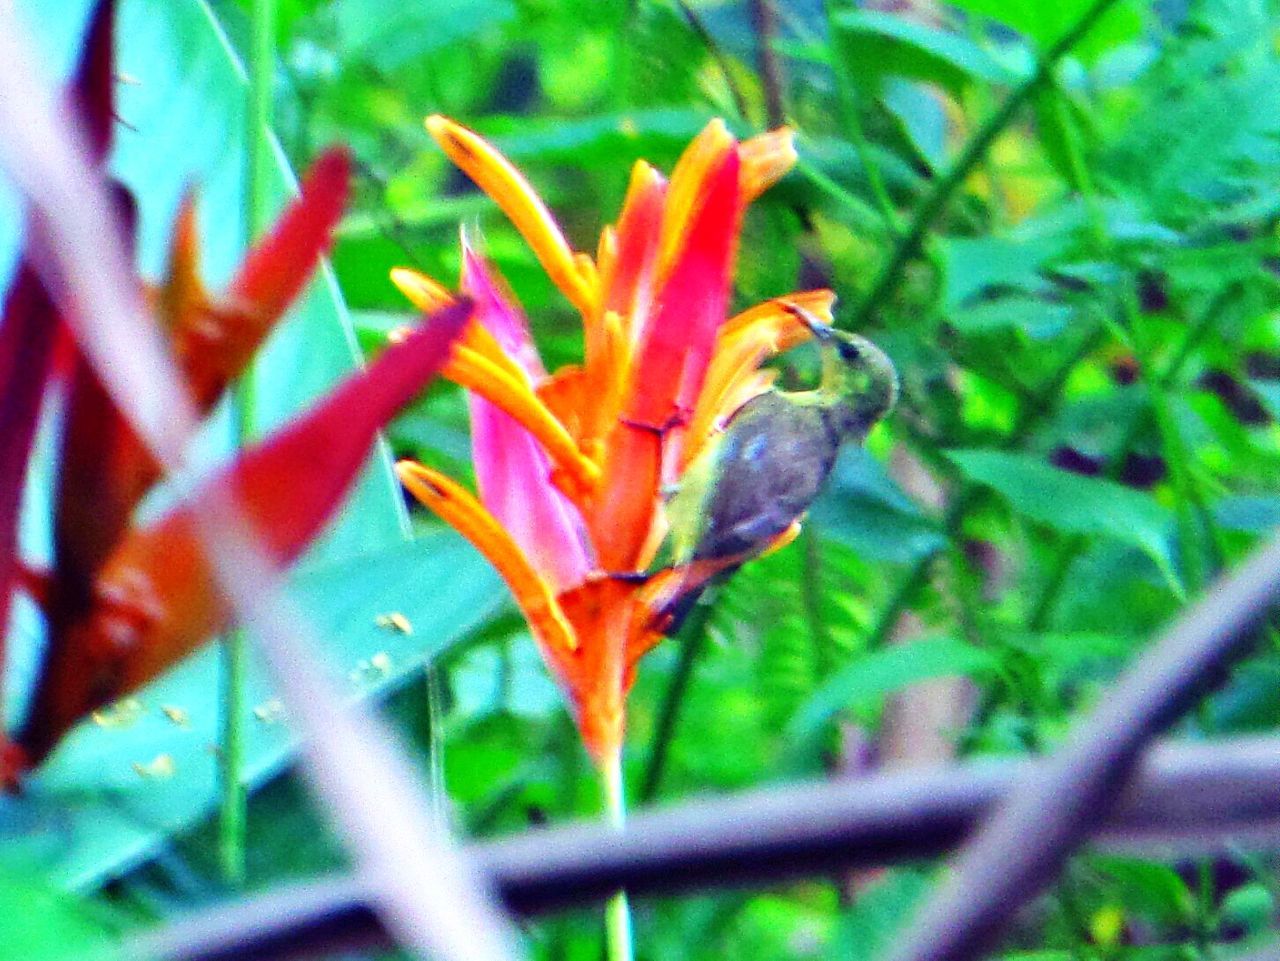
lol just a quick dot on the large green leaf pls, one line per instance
(117, 788)
(880, 44)
(868, 678)
(113, 792)
(1072, 503)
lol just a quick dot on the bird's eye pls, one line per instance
(849, 352)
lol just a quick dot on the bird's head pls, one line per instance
(858, 378)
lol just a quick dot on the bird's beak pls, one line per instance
(821, 331)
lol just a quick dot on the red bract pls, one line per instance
(123, 603)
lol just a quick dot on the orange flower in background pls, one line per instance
(572, 465)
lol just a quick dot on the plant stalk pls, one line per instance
(233, 801)
(617, 910)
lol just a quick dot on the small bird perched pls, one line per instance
(754, 482)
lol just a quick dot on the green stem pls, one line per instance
(232, 807)
(931, 207)
(850, 113)
(233, 801)
(617, 911)
(692, 640)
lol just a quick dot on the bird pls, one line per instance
(752, 484)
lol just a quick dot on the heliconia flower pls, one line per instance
(572, 465)
(156, 598)
(121, 602)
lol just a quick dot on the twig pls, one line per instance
(931, 207)
(693, 639)
(1192, 796)
(764, 17)
(1048, 816)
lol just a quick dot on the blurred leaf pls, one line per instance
(391, 35)
(863, 507)
(44, 924)
(186, 111)
(881, 44)
(1251, 906)
(1072, 503)
(993, 262)
(882, 672)
(1046, 22)
(1152, 891)
(115, 790)
(871, 923)
(1254, 514)
(1039, 319)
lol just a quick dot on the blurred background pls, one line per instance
(1066, 240)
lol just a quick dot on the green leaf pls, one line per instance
(1254, 514)
(1039, 319)
(116, 789)
(863, 507)
(1154, 891)
(880, 44)
(1074, 504)
(1045, 23)
(45, 924)
(869, 678)
(391, 36)
(877, 915)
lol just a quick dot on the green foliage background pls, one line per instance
(1088, 341)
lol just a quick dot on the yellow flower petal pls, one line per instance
(470, 369)
(424, 293)
(458, 508)
(766, 159)
(743, 344)
(496, 176)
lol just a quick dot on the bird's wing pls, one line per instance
(768, 469)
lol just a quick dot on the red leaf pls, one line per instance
(157, 600)
(276, 269)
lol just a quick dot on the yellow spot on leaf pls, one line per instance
(158, 768)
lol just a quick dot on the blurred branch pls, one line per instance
(764, 17)
(717, 54)
(1027, 841)
(930, 208)
(1192, 796)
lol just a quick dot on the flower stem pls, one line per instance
(617, 911)
(233, 802)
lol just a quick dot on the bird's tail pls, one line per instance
(675, 591)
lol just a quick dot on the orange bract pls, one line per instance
(588, 450)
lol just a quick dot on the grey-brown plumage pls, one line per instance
(762, 474)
